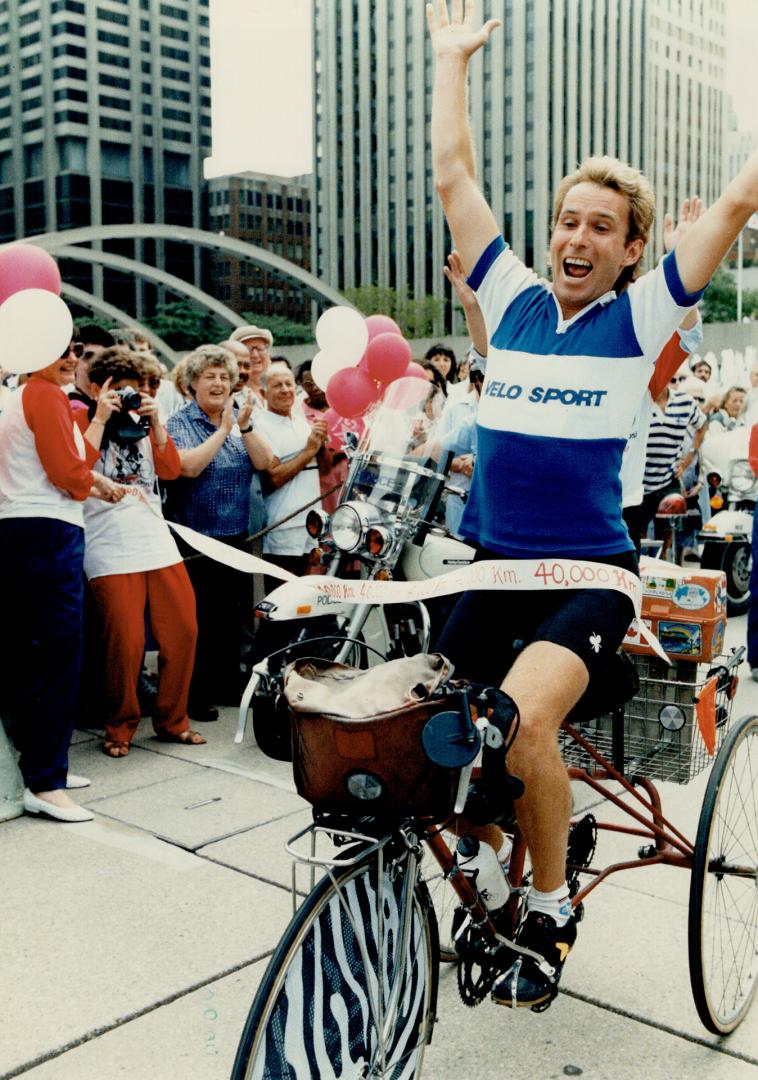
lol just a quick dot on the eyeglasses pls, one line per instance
(74, 347)
(257, 348)
(151, 380)
(677, 379)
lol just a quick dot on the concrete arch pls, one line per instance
(229, 245)
(131, 266)
(118, 316)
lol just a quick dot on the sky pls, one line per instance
(261, 70)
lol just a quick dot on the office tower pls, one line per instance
(562, 79)
(105, 118)
(271, 212)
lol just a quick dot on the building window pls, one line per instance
(109, 102)
(70, 28)
(70, 116)
(72, 155)
(171, 94)
(31, 103)
(67, 49)
(173, 12)
(176, 135)
(115, 81)
(176, 114)
(172, 73)
(176, 169)
(113, 16)
(174, 32)
(113, 60)
(111, 39)
(175, 54)
(115, 124)
(70, 94)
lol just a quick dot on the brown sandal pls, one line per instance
(114, 748)
(187, 738)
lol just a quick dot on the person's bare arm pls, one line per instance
(689, 212)
(281, 471)
(707, 242)
(454, 41)
(456, 275)
(258, 450)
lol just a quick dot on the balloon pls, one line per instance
(341, 331)
(350, 392)
(416, 371)
(381, 324)
(35, 328)
(387, 357)
(406, 392)
(25, 266)
(325, 365)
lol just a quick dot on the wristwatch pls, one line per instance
(246, 430)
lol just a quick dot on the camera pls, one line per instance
(131, 399)
(122, 428)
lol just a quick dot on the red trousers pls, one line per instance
(121, 600)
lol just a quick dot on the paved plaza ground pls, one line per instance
(132, 945)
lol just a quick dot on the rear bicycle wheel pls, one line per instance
(342, 999)
(723, 910)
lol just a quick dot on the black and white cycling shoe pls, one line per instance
(532, 981)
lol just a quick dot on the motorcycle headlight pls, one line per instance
(347, 527)
(742, 478)
(378, 540)
(315, 524)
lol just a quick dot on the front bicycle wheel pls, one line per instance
(723, 911)
(347, 993)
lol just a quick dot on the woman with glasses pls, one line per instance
(45, 476)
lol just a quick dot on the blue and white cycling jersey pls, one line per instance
(557, 405)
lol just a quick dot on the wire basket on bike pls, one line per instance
(661, 736)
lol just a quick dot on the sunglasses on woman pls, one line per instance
(74, 347)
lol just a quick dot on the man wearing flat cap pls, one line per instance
(258, 341)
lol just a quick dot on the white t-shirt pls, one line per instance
(287, 436)
(130, 536)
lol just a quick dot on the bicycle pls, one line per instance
(351, 989)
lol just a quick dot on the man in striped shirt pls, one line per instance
(675, 416)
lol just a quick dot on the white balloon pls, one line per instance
(342, 331)
(325, 365)
(35, 328)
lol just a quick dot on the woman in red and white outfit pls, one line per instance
(45, 476)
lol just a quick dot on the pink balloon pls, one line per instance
(416, 371)
(406, 392)
(351, 391)
(381, 324)
(387, 357)
(24, 266)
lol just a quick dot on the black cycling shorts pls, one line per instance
(487, 630)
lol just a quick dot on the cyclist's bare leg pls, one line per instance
(546, 681)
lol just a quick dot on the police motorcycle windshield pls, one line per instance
(399, 464)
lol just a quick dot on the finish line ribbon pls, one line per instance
(495, 575)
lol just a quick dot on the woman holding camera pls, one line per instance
(131, 559)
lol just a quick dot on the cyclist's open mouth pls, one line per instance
(576, 268)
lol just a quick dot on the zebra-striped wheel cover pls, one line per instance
(321, 1025)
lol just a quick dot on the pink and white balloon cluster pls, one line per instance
(358, 358)
(35, 324)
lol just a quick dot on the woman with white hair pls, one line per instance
(219, 449)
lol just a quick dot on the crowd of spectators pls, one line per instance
(102, 448)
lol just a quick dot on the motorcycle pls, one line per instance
(387, 526)
(732, 489)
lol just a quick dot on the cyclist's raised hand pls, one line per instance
(457, 34)
(689, 212)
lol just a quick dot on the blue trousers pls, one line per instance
(752, 614)
(41, 642)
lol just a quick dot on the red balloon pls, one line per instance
(387, 357)
(381, 324)
(416, 371)
(25, 266)
(351, 391)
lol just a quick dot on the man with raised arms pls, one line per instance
(568, 364)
